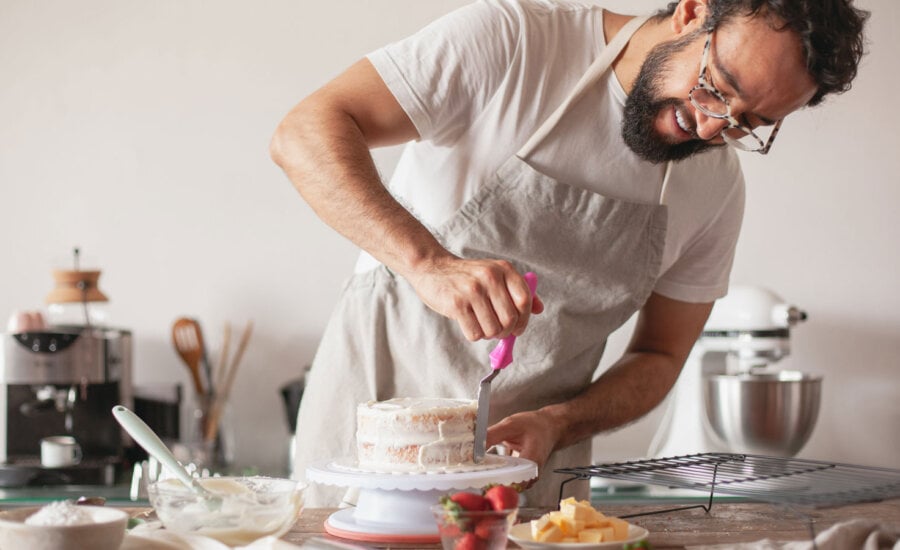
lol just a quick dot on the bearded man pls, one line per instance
(592, 148)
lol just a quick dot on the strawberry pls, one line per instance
(468, 542)
(502, 497)
(486, 528)
(465, 501)
(458, 504)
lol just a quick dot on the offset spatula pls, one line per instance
(501, 357)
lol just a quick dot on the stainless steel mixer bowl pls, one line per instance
(768, 413)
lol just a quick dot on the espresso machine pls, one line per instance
(63, 379)
(731, 396)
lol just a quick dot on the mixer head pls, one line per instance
(752, 325)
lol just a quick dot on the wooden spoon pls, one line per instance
(188, 341)
(224, 390)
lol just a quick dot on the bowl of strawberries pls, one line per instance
(470, 520)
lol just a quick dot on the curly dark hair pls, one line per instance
(831, 32)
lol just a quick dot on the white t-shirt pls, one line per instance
(477, 84)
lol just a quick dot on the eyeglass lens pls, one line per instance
(713, 105)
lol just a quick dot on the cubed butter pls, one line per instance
(550, 533)
(590, 535)
(566, 524)
(608, 533)
(579, 510)
(541, 523)
(578, 521)
(620, 528)
(599, 520)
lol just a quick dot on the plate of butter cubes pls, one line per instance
(578, 526)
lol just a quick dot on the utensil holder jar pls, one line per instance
(212, 451)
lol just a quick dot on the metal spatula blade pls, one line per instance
(481, 421)
(500, 357)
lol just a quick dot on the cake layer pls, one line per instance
(405, 434)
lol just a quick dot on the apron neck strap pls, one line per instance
(597, 68)
(665, 182)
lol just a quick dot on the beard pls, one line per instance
(644, 105)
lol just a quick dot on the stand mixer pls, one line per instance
(729, 397)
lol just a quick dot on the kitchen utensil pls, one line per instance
(501, 357)
(394, 508)
(224, 391)
(223, 354)
(204, 360)
(771, 413)
(187, 338)
(778, 480)
(292, 393)
(151, 443)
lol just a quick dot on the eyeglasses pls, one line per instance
(710, 101)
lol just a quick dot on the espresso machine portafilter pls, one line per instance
(730, 396)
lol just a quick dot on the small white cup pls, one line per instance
(60, 450)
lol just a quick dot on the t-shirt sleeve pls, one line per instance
(702, 270)
(445, 74)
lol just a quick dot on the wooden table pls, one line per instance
(726, 522)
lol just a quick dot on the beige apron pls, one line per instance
(597, 261)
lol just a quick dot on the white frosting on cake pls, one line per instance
(415, 434)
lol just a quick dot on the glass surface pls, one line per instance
(243, 509)
(481, 530)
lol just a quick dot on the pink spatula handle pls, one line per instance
(502, 355)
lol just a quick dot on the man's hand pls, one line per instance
(531, 434)
(487, 298)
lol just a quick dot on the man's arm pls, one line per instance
(323, 147)
(663, 337)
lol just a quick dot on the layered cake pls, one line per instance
(415, 434)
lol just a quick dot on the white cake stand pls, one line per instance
(396, 507)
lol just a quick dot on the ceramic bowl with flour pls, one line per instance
(62, 525)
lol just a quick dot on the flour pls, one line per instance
(59, 513)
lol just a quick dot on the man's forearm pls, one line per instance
(631, 388)
(323, 147)
(326, 157)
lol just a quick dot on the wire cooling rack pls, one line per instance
(787, 481)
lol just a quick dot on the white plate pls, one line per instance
(160, 539)
(521, 535)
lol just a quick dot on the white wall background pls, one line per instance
(138, 131)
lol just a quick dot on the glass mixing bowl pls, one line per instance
(243, 508)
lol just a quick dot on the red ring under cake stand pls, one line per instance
(396, 507)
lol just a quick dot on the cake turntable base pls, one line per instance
(396, 507)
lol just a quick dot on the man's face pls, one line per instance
(646, 102)
(760, 71)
